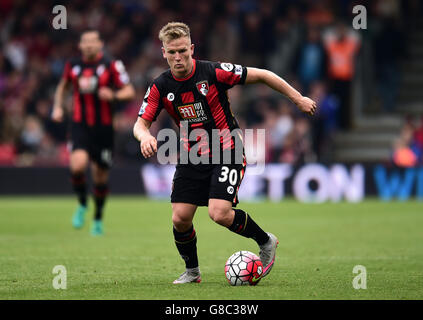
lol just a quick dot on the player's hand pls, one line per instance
(57, 114)
(105, 93)
(306, 105)
(148, 146)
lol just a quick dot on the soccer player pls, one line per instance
(193, 92)
(98, 81)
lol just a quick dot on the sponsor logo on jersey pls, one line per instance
(193, 112)
(230, 190)
(203, 87)
(227, 66)
(170, 96)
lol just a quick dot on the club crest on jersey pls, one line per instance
(203, 87)
(87, 84)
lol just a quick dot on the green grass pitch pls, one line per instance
(137, 259)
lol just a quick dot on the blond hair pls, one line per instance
(174, 30)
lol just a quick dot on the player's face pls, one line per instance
(90, 44)
(178, 53)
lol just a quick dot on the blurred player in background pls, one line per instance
(97, 82)
(194, 92)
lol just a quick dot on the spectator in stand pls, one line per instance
(281, 128)
(288, 31)
(325, 122)
(386, 55)
(297, 147)
(320, 14)
(408, 148)
(223, 32)
(251, 40)
(342, 45)
(31, 136)
(311, 59)
(417, 144)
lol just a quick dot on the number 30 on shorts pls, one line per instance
(231, 175)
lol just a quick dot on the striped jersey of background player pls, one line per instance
(194, 91)
(98, 81)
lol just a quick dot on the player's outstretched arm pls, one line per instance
(255, 75)
(148, 144)
(57, 112)
(124, 94)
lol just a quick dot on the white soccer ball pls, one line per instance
(242, 268)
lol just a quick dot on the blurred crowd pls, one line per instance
(408, 147)
(310, 43)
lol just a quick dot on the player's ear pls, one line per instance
(192, 49)
(164, 52)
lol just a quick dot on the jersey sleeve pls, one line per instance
(67, 71)
(151, 105)
(120, 77)
(229, 74)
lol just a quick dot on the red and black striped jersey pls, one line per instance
(87, 78)
(200, 99)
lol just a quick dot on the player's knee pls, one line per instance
(181, 221)
(79, 160)
(220, 215)
(78, 167)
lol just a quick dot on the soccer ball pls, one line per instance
(242, 268)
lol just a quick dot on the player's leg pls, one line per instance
(186, 241)
(240, 222)
(101, 155)
(79, 160)
(236, 220)
(189, 190)
(225, 183)
(100, 175)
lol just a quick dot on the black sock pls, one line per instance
(80, 187)
(245, 226)
(186, 242)
(100, 194)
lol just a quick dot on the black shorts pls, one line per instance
(197, 184)
(98, 142)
